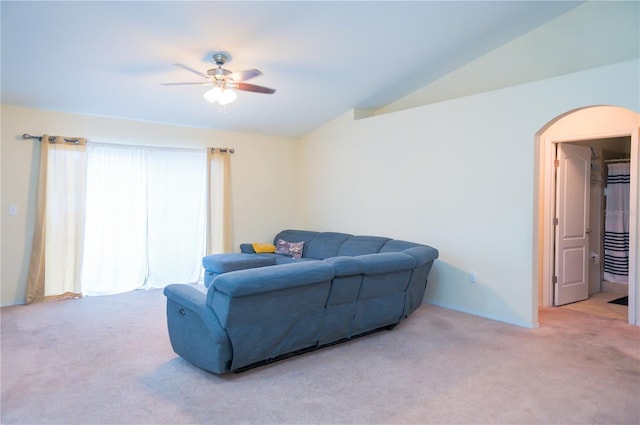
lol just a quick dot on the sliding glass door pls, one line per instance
(145, 217)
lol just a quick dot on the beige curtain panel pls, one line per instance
(56, 255)
(220, 223)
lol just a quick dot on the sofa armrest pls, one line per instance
(422, 254)
(345, 266)
(387, 262)
(247, 248)
(187, 296)
(191, 298)
(195, 331)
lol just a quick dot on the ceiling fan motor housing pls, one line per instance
(218, 73)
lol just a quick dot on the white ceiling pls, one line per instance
(323, 58)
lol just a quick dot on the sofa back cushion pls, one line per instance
(271, 311)
(323, 245)
(397, 245)
(326, 245)
(291, 235)
(362, 245)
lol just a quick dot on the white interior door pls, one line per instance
(573, 176)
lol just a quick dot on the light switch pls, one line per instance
(13, 209)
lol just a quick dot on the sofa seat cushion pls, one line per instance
(285, 259)
(224, 263)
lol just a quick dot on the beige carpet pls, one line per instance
(107, 360)
(599, 305)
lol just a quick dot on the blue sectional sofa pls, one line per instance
(261, 307)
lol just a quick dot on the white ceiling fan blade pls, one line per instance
(198, 73)
(188, 84)
(254, 88)
(245, 75)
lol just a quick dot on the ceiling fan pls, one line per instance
(224, 81)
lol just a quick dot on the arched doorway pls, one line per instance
(595, 122)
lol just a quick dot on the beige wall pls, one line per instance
(263, 177)
(457, 175)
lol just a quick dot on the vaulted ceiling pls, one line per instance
(323, 58)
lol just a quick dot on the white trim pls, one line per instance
(473, 312)
(633, 227)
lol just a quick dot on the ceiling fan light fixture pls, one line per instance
(213, 95)
(222, 96)
(228, 96)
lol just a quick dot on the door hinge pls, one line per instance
(556, 163)
(555, 221)
(554, 279)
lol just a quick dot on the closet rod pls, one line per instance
(609, 161)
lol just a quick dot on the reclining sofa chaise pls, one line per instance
(308, 290)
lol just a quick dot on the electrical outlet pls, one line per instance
(473, 277)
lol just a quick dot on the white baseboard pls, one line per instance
(485, 315)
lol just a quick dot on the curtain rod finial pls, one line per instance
(27, 136)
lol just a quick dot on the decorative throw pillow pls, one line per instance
(292, 249)
(263, 247)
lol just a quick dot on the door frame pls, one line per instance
(590, 123)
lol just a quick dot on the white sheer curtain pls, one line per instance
(177, 211)
(145, 222)
(56, 257)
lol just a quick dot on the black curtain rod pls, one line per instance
(223, 150)
(27, 136)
